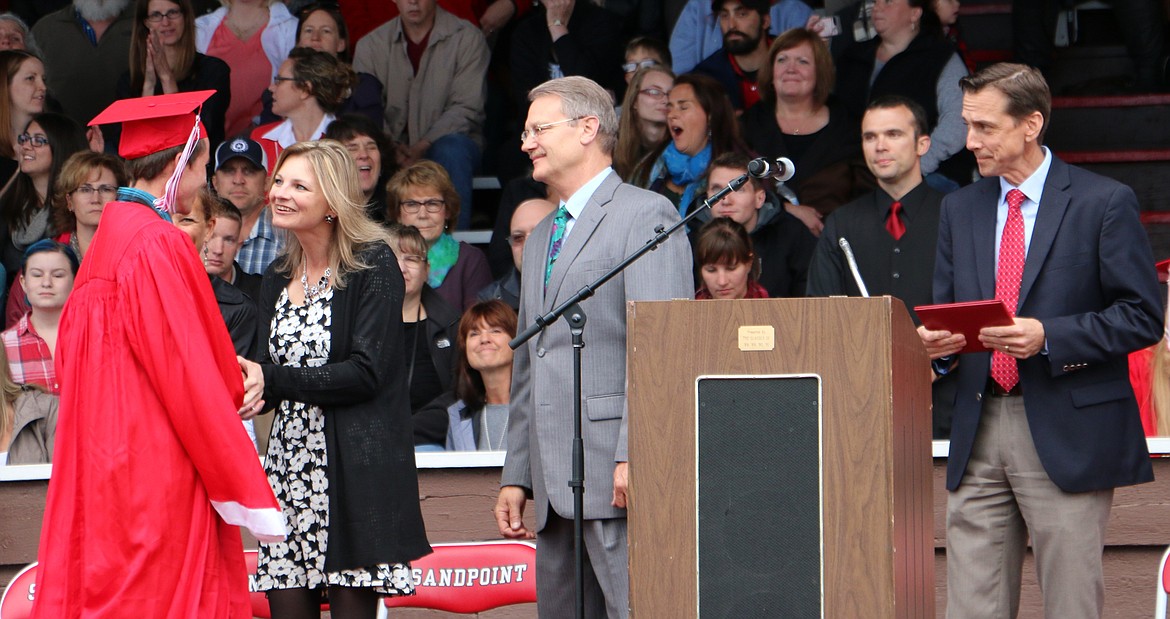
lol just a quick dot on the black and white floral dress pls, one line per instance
(296, 464)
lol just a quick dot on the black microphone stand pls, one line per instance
(576, 319)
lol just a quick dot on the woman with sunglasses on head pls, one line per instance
(46, 143)
(163, 60)
(423, 196)
(86, 182)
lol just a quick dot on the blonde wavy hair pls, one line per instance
(337, 179)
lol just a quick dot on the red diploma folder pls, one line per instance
(966, 318)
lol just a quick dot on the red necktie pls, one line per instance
(1004, 370)
(894, 223)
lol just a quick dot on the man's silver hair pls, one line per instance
(581, 96)
(100, 10)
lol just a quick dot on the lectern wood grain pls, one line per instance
(875, 445)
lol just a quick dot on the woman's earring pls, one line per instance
(330, 219)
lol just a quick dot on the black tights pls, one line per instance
(344, 603)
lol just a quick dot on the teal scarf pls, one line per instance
(685, 169)
(442, 256)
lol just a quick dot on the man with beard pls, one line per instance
(86, 48)
(745, 26)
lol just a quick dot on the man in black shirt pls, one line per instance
(892, 231)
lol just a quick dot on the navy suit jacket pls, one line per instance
(1089, 278)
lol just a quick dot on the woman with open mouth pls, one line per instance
(701, 124)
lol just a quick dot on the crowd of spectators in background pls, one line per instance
(427, 94)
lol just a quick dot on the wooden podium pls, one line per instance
(780, 460)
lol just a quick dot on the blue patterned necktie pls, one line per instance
(558, 237)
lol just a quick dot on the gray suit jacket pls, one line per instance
(618, 219)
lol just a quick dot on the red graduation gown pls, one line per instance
(151, 457)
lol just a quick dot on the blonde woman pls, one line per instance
(340, 457)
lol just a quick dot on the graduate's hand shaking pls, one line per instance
(253, 388)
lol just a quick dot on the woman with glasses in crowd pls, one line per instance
(87, 181)
(22, 78)
(306, 92)
(253, 37)
(340, 458)
(322, 27)
(701, 125)
(45, 145)
(422, 196)
(163, 60)
(430, 326)
(642, 126)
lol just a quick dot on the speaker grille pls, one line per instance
(758, 501)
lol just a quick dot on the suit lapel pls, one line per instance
(583, 228)
(1053, 205)
(983, 229)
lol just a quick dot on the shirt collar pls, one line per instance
(1033, 186)
(283, 133)
(577, 202)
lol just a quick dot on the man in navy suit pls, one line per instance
(1046, 426)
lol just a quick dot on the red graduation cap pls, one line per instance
(154, 124)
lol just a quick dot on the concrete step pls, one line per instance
(1104, 123)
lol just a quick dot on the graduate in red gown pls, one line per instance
(153, 471)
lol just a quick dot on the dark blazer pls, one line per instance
(430, 424)
(239, 314)
(1089, 278)
(374, 514)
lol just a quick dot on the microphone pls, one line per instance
(780, 168)
(848, 251)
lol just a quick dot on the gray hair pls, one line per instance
(581, 97)
(30, 44)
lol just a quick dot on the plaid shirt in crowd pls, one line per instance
(29, 357)
(261, 247)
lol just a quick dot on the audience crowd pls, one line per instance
(425, 95)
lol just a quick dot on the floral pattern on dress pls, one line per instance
(297, 467)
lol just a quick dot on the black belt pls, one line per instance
(995, 389)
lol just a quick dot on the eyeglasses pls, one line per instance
(412, 206)
(539, 130)
(280, 78)
(412, 261)
(105, 190)
(170, 15)
(630, 67)
(37, 140)
(653, 93)
(516, 239)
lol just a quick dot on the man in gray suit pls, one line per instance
(569, 136)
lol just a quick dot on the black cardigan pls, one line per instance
(374, 513)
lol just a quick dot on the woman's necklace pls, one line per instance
(245, 30)
(316, 291)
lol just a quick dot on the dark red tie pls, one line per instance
(894, 223)
(1010, 272)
